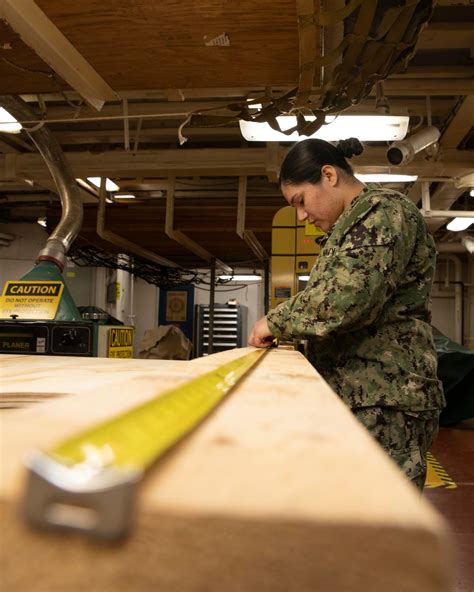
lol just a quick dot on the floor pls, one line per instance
(454, 449)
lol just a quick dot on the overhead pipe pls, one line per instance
(427, 212)
(458, 295)
(70, 223)
(466, 244)
(181, 238)
(7, 236)
(456, 247)
(120, 241)
(247, 235)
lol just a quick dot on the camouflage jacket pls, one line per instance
(366, 309)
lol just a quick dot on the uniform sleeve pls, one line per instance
(349, 285)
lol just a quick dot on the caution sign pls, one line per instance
(120, 342)
(436, 475)
(30, 299)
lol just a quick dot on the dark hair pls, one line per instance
(304, 161)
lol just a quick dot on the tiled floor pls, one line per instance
(454, 449)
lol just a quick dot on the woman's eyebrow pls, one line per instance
(292, 200)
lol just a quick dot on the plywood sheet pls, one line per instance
(149, 44)
(280, 489)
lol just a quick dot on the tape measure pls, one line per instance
(87, 482)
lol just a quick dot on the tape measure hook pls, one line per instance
(99, 503)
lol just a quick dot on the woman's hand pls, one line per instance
(261, 336)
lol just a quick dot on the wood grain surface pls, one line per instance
(278, 490)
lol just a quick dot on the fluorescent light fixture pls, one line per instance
(458, 224)
(124, 196)
(303, 278)
(385, 178)
(109, 185)
(8, 123)
(364, 127)
(240, 278)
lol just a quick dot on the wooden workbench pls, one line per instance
(279, 490)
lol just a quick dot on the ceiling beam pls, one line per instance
(447, 35)
(217, 162)
(429, 86)
(460, 125)
(41, 34)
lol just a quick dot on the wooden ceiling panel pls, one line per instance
(150, 44)
(21, 70)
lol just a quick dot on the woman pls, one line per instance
(365, 311)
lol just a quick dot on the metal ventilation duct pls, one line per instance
(70, 223)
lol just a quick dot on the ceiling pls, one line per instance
(138, 68)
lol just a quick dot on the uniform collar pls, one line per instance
(366, 190)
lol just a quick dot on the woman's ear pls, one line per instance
(329, 175)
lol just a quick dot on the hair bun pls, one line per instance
(350, 147)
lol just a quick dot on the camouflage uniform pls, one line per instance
(366, 315)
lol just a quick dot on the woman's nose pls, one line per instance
(301, 214)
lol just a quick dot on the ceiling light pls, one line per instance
(471, 193)
(109, 185)
(303, 278)
(458, 224)
(124, 196)
(364, 127)
(8, 123)
(240, 278)
(42, 221)
(385, 178)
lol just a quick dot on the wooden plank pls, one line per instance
(163, 44)
(39, 33)
(279, 490)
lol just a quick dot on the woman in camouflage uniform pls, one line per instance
(365, 312)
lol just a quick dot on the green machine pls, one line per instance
(38, 316)
(37, 312)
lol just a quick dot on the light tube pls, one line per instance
(375, 128)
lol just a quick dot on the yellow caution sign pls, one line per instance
(96, 470)
(120, 342)
(436, 475)
(31, 299)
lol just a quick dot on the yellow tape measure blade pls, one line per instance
(98, 468)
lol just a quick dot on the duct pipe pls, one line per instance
(120, 241)
(468, 242)
(458, 295)
(182, 238)
(450, 247)
(70, 223)
(247, 235)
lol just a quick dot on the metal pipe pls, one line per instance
(212, 293)
(450, 214)
(458, 316)
(266, 286)
(247, 235)
(120, 241)
(70, 223)
(182, 238)
(450, 247)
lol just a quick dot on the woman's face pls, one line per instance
(320, 204)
